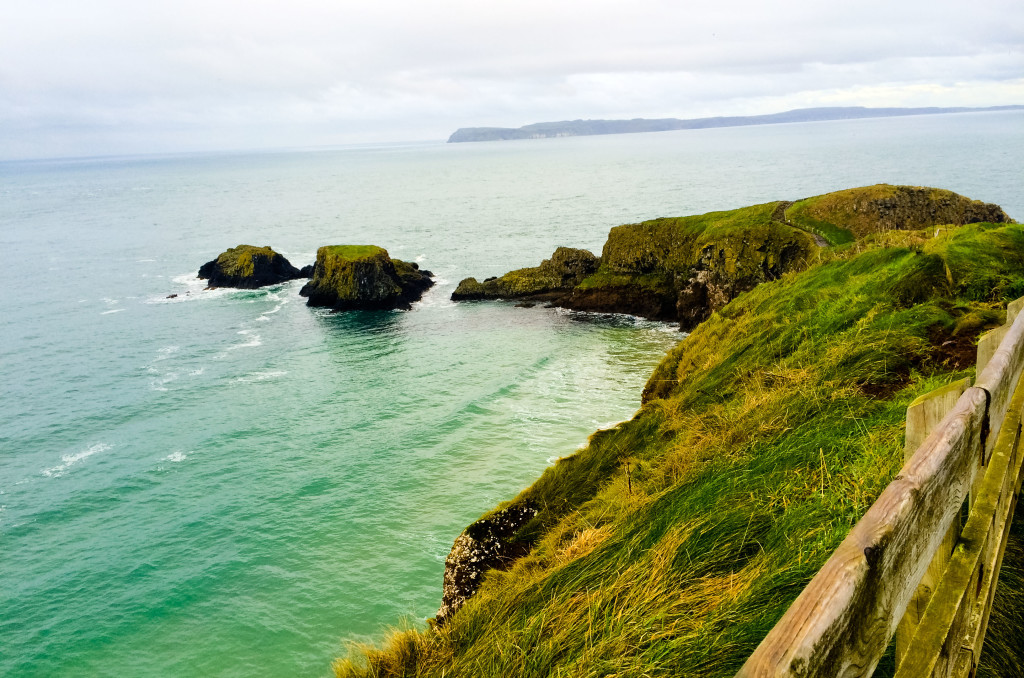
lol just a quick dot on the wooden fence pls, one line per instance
(923, 562)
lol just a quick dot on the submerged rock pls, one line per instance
(248, 267)
(347, 277)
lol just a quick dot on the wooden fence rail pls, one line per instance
(906, 568)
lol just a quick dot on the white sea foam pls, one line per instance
(110, 302)
(69, 460)
(253, 340)
(177, 456)
(166, 352)
(160, 384)
(259, 376)
(115, 310)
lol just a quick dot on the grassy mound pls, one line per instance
(674, 541)
(844, 216)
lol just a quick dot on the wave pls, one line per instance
(69, 460)
(259, 376)
(254, 340)
(115, 310)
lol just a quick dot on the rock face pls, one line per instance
(566, 269)
(487, 544)
(347, 277)
(685, 269)
(248, 267)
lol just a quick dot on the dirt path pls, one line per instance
(779, 215)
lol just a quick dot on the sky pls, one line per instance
(108, 77)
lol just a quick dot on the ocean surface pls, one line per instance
(228, 483)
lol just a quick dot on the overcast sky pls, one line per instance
(87, 77)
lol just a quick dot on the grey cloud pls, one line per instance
(424, 68)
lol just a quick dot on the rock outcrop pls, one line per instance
(566, 269)
(684, 269)
(248, 267)
(487, 544)
(348, 277)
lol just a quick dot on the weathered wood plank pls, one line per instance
(923, 416)
(999, 376)
(951, 632)
(842, 622)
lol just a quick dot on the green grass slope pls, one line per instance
(672, 543)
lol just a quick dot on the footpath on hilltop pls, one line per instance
(671, 543)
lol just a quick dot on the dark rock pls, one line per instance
(347, 277)
(306, 271)
(172, 296)
(248, 267)
(489, 543)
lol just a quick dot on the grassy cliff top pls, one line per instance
(675, 244)
(844, 216)
(671, 543)
(353, 252)
(238, 261)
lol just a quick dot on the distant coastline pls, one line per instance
(574, 128)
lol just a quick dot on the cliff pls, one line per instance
(672, 542)
(349, 277)
(686, 268)
(248, 267)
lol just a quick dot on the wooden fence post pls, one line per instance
(923, 415)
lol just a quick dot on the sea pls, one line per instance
(228, 483)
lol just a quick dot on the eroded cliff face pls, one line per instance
(686, 269)
(348, 277)
(248, 267)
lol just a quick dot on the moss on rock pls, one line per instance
(347, 277)
(248, 267)
(566, 268)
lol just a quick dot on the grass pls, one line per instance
(856, 213)
(239, 261)
(676, 244)
(672, 543)
(355, 251)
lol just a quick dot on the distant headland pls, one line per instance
(575, 128)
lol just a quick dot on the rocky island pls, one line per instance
(686, 268)
(348, 277)
(249, 267)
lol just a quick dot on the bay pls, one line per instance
(227, 483)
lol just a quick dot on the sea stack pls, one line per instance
(248, 267)
(349, 277)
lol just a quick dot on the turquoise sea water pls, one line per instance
(228, 483)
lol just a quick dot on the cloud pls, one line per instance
(190, 70)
